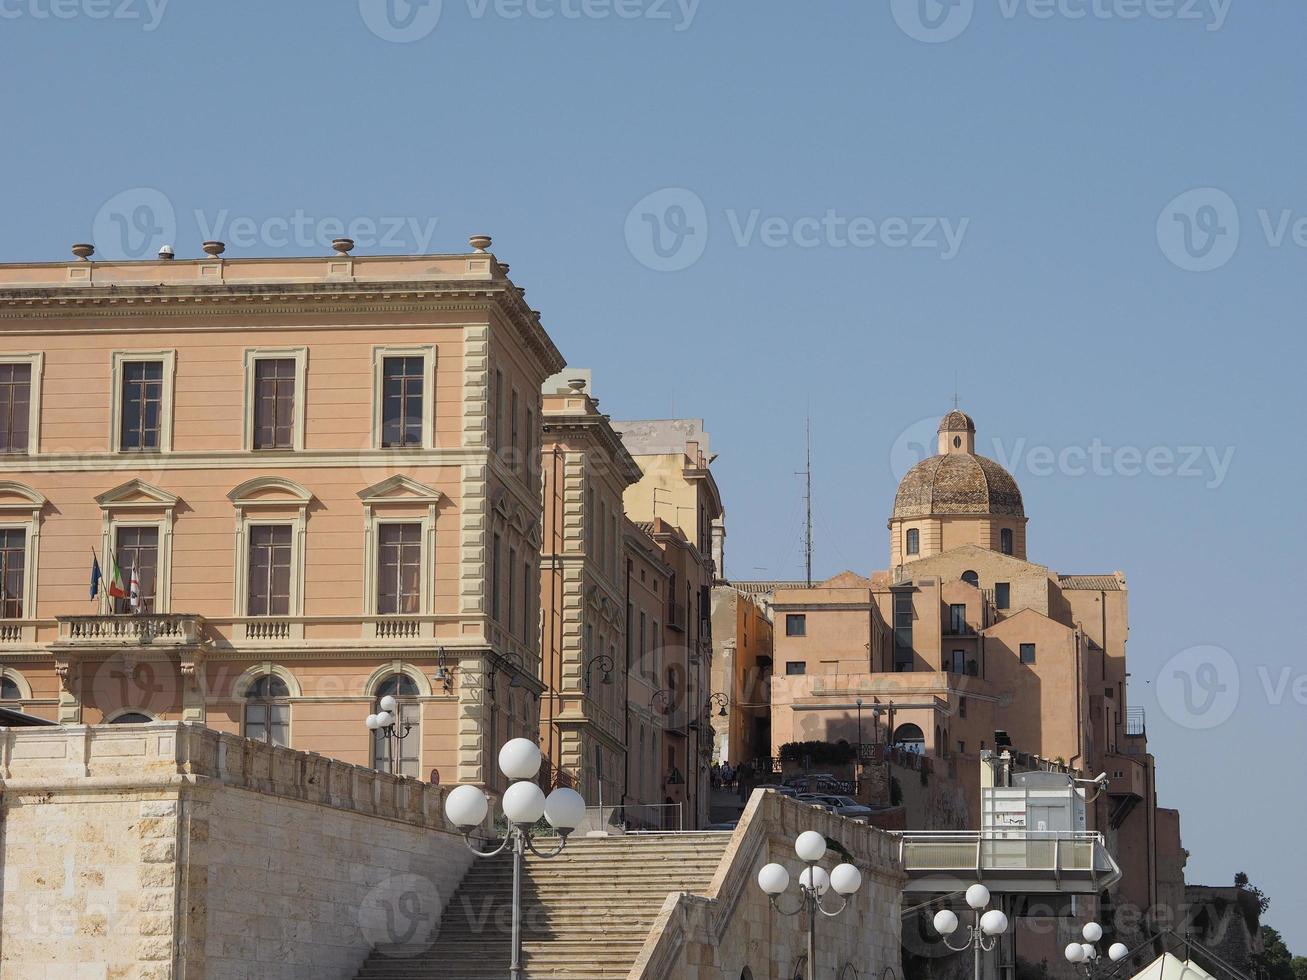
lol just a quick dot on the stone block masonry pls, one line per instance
(172, 852)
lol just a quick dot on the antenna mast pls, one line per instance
(807, 497)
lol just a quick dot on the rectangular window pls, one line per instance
(142, 406)
(1027, 653)
(494, 578)
(137, 549)
(530, 438)
(13, 570)
(796, 668)
(957, 619)
(1002, 595)
(962, 707)
(904, 655)
(15, 407)
(268, 722)
(958, 662)
(796, 624)
(274, 403)
(527, 592)
(399, 569)
(516, 461)
(497, 399)
(512, 592)
(402, 393)
(269, 570)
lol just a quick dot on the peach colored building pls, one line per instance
(677, 503)
(741, 669)
(584, 592)
(317, 470)
(964, 636)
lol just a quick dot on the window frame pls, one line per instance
(428, 354)
(1007, 541)
(36, 362)
(381, 526)
(1021, 654)
(168, 383)
(24, 514)
(801, 619)
(801, 671)
(1006, 604)
(253, 355)
(912, 541)
(243, 686)
(418, 504)
(257, 508)
(116, 512)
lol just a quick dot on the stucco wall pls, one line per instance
(733, 926)
(170, 851)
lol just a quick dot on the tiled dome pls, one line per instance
(958, 483)
(956, 421)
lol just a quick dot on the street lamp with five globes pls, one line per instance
(983, 935)
(524, 803)
(814, 882)
(1085, 955)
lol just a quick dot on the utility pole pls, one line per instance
(807, 498)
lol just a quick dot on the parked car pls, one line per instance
(845, 806)
(817, 800)
(789, 791)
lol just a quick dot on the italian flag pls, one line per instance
(116, 589)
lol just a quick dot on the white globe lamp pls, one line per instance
(1092, 932)
(846, 879)
(389, 704)
(1090, 952)
(565, 810)
(385, 719)
(810, 846)
(773, 879)
(1118, 951)
(524, 803)
(466, 807)
(815, 879)
(946, 922)
(993, 923)
(372, 723)
(1075, 953)
(977, 897)
(520, 759)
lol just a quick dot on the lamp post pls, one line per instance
(722, 702)
(983, 935)
(1085, 955)
(774, 879)
(524, 804)
(384, 725)
(859, 704)
(605, 663)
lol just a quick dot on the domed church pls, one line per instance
(955, 498)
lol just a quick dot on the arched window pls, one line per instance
(404, 690)
(131, 718)
(971, 578)
(914, 541)
(1005, 541)
(909, 736)
(267, 712)
(9, 690)
(746, 974)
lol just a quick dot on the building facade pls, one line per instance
(677, 505)
(584, 592)
(965, 644)
(314, 476)
(741, 669)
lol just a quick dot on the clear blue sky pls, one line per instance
(1049, 145)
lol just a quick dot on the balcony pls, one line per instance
(676, 616)
(178, 630)
(1025, 862)
(1135, 722)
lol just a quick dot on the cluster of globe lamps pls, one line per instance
(524, 802)
(1084, 954)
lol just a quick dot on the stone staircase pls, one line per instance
(586, 913)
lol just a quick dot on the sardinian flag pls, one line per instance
(134, 590)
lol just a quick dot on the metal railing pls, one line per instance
(637, 818)
(1003, 850)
